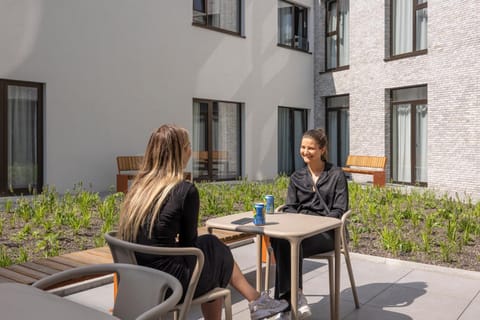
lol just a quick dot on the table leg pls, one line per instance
(295, 251)
(336, 311)
(259, 263)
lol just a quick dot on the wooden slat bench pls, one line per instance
(373, 165)
(128, 167)
(29, 272)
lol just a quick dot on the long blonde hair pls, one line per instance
(160, 171)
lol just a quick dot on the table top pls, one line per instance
(278, 224)
(19, 301)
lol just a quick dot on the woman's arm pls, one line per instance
(291, 204)
(340, 196)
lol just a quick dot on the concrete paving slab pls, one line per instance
(388, 289)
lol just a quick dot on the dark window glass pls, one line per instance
(337, 34)
(409, 26)
(292, 26)
(218, 14)
(21, 137)
(292, 123)
(216, 140)
(409, 135)
(338, 129)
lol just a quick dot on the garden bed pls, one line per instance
(419, 226)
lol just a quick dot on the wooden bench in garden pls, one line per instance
(128, 167)
(29, 272)
(368, 165)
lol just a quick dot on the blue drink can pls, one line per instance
(270, 207)
(259, 217)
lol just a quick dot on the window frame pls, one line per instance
(333, 33)
(337, 109)
(413, 103)
(4, 188)
(206, 25)
(209, 136)
(414, 52)
(292, 46)
(295, 153)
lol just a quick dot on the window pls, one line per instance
(216, 140)
(409, 27)
(338, 129)
(337, 34)
(223, 15)
(292, 123)
(409, 135)
(21, 136)
(292, 26)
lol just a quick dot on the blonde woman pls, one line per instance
(161, 209)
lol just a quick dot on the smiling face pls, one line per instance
(311, 151)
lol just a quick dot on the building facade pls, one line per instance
(82, 82)
(85, 81)
(405, 77)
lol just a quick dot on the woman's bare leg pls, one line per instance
(240, 283)
(212, 310)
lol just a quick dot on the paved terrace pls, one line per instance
(388, 290)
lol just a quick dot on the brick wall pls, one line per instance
(450, 70)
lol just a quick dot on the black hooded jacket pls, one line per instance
(332, 185)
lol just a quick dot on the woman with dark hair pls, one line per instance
(161, 209)
(320, 188)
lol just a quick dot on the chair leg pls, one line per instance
(350, 275)
(268, 262)
(331, 283)
(228, 307)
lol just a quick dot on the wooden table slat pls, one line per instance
(27, 271)
(40, 267)
(53, 264)
(85, 257)
(2, 280)
(68, 262)
(17, 277)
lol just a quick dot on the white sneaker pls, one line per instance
(265, 307)
(304, 310)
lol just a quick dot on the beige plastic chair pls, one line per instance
(330, 255)
(141, 290)
(124, 252)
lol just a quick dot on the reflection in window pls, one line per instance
(409, 132)
(219, 14)
(337, 34)
(292, 26)
(409, 26)
(216, 141)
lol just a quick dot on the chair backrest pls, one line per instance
(124, 252)
(141, 290)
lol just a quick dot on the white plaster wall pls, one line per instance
(117, 69)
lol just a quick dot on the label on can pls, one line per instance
(259, 216)
(270, 207)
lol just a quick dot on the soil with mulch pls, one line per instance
(467, 259)
(369, 244)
